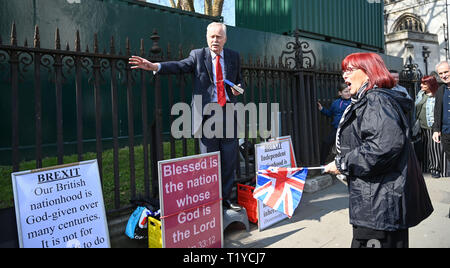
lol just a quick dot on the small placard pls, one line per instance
(275, 153)
(60, 207)
(190, 196)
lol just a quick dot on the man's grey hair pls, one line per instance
(442, 63)
(213, 24)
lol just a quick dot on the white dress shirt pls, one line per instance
(213, 59)
(222, 63)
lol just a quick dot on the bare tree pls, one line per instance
(208, 7)
(172, 3)
(187, 5)
(212, 7)
(217, 8)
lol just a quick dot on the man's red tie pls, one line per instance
(221, 99)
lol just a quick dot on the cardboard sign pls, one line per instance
(60, 206)
(275, 153)
(190, 193)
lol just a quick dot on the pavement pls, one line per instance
(322, 221)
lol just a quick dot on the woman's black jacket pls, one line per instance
(386, 186)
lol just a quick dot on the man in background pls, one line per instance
(441, 127)
(397, 87)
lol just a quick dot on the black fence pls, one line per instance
(65, 101)
(411, 77)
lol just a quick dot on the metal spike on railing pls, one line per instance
(169, 52)
(87, 48)
(112, 49)
(25, 44)
(95, 43)
(13, 35)
(77, 41)
(142, 49)
(37, 37)
(57, 39)
(155, 38)
(67, 46)
(127, 46)
(180, 51)
(280, 62)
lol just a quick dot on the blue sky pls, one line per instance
(228, 9)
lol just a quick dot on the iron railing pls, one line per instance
(96, 98)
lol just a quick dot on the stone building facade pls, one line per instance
(417, 28)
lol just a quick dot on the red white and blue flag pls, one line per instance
(280, 188)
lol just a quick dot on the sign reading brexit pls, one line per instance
(190, 197)
(60, 206)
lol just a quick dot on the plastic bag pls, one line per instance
(137, 227)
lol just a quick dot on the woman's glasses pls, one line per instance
(349, 70)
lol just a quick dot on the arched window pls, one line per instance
(409, 22)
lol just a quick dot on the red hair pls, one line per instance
(431, 82)
(373, 66)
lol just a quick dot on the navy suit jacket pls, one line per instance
(199, 63)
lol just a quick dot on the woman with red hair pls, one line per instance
(387, 192)
(433, 158)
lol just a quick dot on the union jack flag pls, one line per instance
(280, 188)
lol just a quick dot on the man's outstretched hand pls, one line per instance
(141, 63)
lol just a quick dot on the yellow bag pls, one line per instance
(154, 233)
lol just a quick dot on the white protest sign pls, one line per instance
(275, 153)
(61, 206)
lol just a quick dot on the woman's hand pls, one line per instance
(332, 169)
(437, 137)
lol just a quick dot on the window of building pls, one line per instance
(409, 22)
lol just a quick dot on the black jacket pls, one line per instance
(438, 107)
(199, 63)
(386, 186)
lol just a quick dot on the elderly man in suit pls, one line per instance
(441, 127)
(211, 66)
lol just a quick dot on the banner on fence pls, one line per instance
(190, 193)
(277, 152)
(60, 206)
